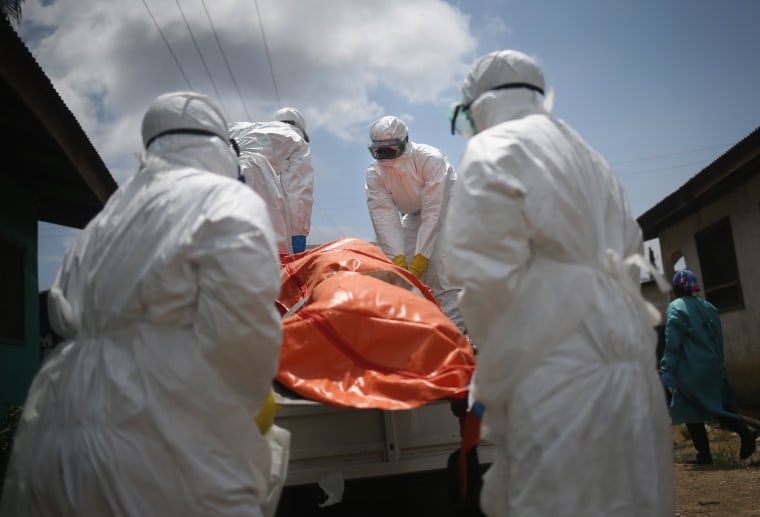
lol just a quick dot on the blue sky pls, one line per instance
(660, 88)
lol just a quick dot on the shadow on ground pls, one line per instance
(419, 494)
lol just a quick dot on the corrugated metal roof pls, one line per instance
(45, 149)
(730, 169)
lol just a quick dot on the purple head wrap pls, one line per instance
(686, 280)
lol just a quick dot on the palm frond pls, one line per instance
(11, 9)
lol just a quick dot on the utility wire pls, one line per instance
(224, 57)
(166, 42)
(200, 54)
(673, 154)
(659, 169)
(266, 50)
(274, 85)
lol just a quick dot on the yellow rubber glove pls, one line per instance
(400, 261)
(419, 265)
(265, 418)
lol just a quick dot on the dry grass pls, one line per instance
(729, 487)
(724, 447)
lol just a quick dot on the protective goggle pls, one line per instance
(459, 113)
(388, 149)
(459, 116)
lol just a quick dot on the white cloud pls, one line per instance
(108, 59)
(495, 27)
(346, 62)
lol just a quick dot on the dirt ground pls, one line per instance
(730, 487)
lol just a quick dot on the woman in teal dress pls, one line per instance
(693, 368)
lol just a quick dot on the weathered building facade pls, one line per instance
(712, 223)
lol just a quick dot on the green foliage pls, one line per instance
(8, 426)
(11, 9)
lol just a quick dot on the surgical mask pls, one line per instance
(388, 149)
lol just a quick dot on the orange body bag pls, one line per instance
(360, 331)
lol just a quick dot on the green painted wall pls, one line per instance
(20, 360)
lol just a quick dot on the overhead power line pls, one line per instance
(200, 54)
(667, 167)
(224, 57)
(269, 60)
(166, 42)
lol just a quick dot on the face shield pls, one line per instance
(388, 149)
(459, 116)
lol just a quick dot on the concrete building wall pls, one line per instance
(652, 293)
(741, 328)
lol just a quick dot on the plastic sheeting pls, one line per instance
(362, 332)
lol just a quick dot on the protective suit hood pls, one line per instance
(499, 68)
(182, 111)
(492, 105)
(188, 125)
(389, 128)
(294, 117)
(495, 107)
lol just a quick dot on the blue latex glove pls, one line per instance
(299, 243)
(478, 409)
(667, 380)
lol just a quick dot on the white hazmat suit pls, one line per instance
(538, 229)
(259, 174)
(407, 198)
(166, 302)
(285, 143)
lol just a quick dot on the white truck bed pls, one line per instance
(361, 443)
